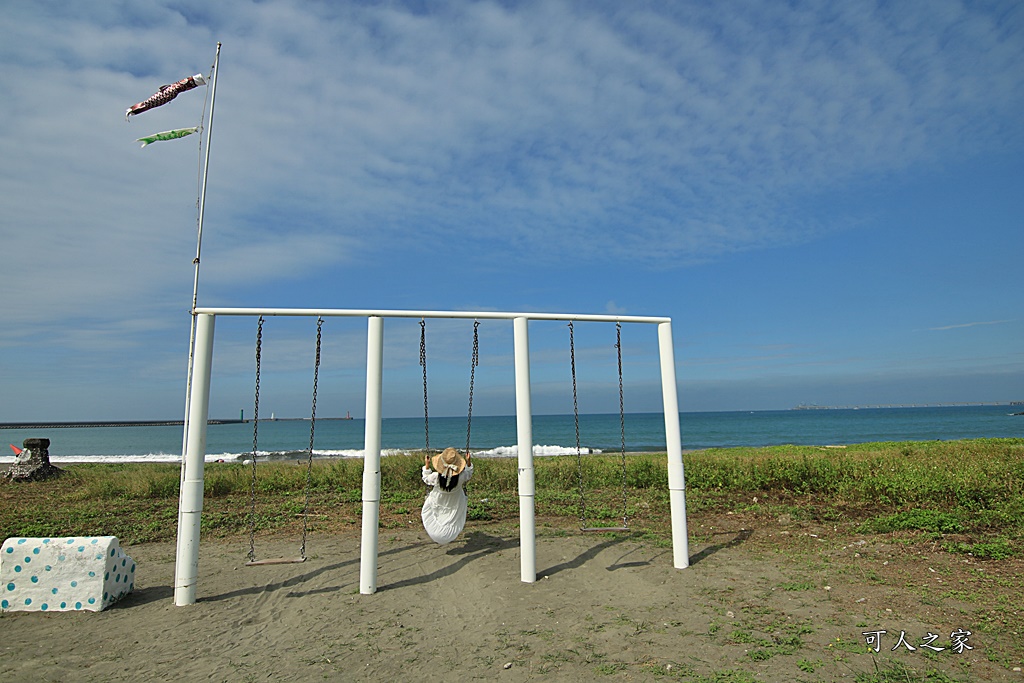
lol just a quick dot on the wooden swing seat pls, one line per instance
(276, 560)
(605, 528)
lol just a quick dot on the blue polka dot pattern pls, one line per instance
(91, 580)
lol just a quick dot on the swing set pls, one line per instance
(475, 361)
(253, 513)
(191, 492)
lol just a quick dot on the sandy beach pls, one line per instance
(607, 607)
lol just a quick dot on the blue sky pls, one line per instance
(827, 198)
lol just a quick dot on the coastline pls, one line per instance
(495, 436)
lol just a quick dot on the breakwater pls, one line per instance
(109, 423)
(815, 406)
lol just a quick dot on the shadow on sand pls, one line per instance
(740, 538)
(475, 546)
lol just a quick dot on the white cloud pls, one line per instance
(963, 325)
(614, 309)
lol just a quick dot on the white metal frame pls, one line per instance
(191, 495)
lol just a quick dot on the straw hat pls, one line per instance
(448, 462)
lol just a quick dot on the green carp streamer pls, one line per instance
(167, 135)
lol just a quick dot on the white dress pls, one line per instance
(444, 512)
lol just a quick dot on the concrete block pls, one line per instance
(63, 574)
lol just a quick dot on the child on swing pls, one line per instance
(444, 510)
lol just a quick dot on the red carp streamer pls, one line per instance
(166, 94)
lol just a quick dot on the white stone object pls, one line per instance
(63, 574)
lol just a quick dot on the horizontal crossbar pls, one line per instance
(465, 315)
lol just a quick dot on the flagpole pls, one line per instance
(199, 248)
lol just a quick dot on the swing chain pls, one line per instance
(255, 445)
(622, 431)
(312, 428)
(576, 420)
(423, 364)
(622, 421)
(472, 377)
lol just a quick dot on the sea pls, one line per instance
(495, 436)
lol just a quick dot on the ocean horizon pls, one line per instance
(495, 436)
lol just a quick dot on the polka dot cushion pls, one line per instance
(63, 574)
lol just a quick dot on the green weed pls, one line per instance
(728, 676)
(898, 672)
(999, 549)
(916, 519)
(808, 665)
(797, 586)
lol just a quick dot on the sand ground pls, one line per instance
(604, 607)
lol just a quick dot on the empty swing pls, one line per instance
(622, 433)
(255, 449)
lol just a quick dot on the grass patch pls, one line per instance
(917, 519)
(797, 586)
(998, 549)
(898, 672)
(956, 487)
(727, 676)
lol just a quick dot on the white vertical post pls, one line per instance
(190, 500)
(371, 457)
(674, 447)
(524, 430)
